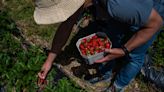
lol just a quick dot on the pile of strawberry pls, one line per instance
(93, 45)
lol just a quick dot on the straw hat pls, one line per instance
(54, 11)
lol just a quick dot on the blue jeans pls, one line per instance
(130, 70)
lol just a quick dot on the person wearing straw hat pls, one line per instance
(144, 17)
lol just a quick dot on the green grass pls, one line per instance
(21, 11)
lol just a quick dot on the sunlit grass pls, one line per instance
(21, 11)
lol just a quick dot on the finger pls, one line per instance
(107, 50)
(41, 81)
(42, 74)
(114, 51)
(106, 58)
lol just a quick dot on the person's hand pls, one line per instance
(44, 70)
(113, 54)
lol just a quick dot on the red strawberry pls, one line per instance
(107, 46)
(92, 52)
(84, 40)
(82, 46)
(94, 37)
(83, 52)
(99, 39)
(95, 44)
(101, 44)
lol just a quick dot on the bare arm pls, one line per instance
(145, 33)
(142, 36)
(59, 41)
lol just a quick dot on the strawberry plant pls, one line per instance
(20, 62)
(157, 50)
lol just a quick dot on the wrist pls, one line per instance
(51, 57)
(125, 50)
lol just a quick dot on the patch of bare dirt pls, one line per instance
(34, 39)
(38, 41)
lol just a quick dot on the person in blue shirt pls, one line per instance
(144, 17)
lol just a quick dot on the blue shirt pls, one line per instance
(133, 12)
(159, 6)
